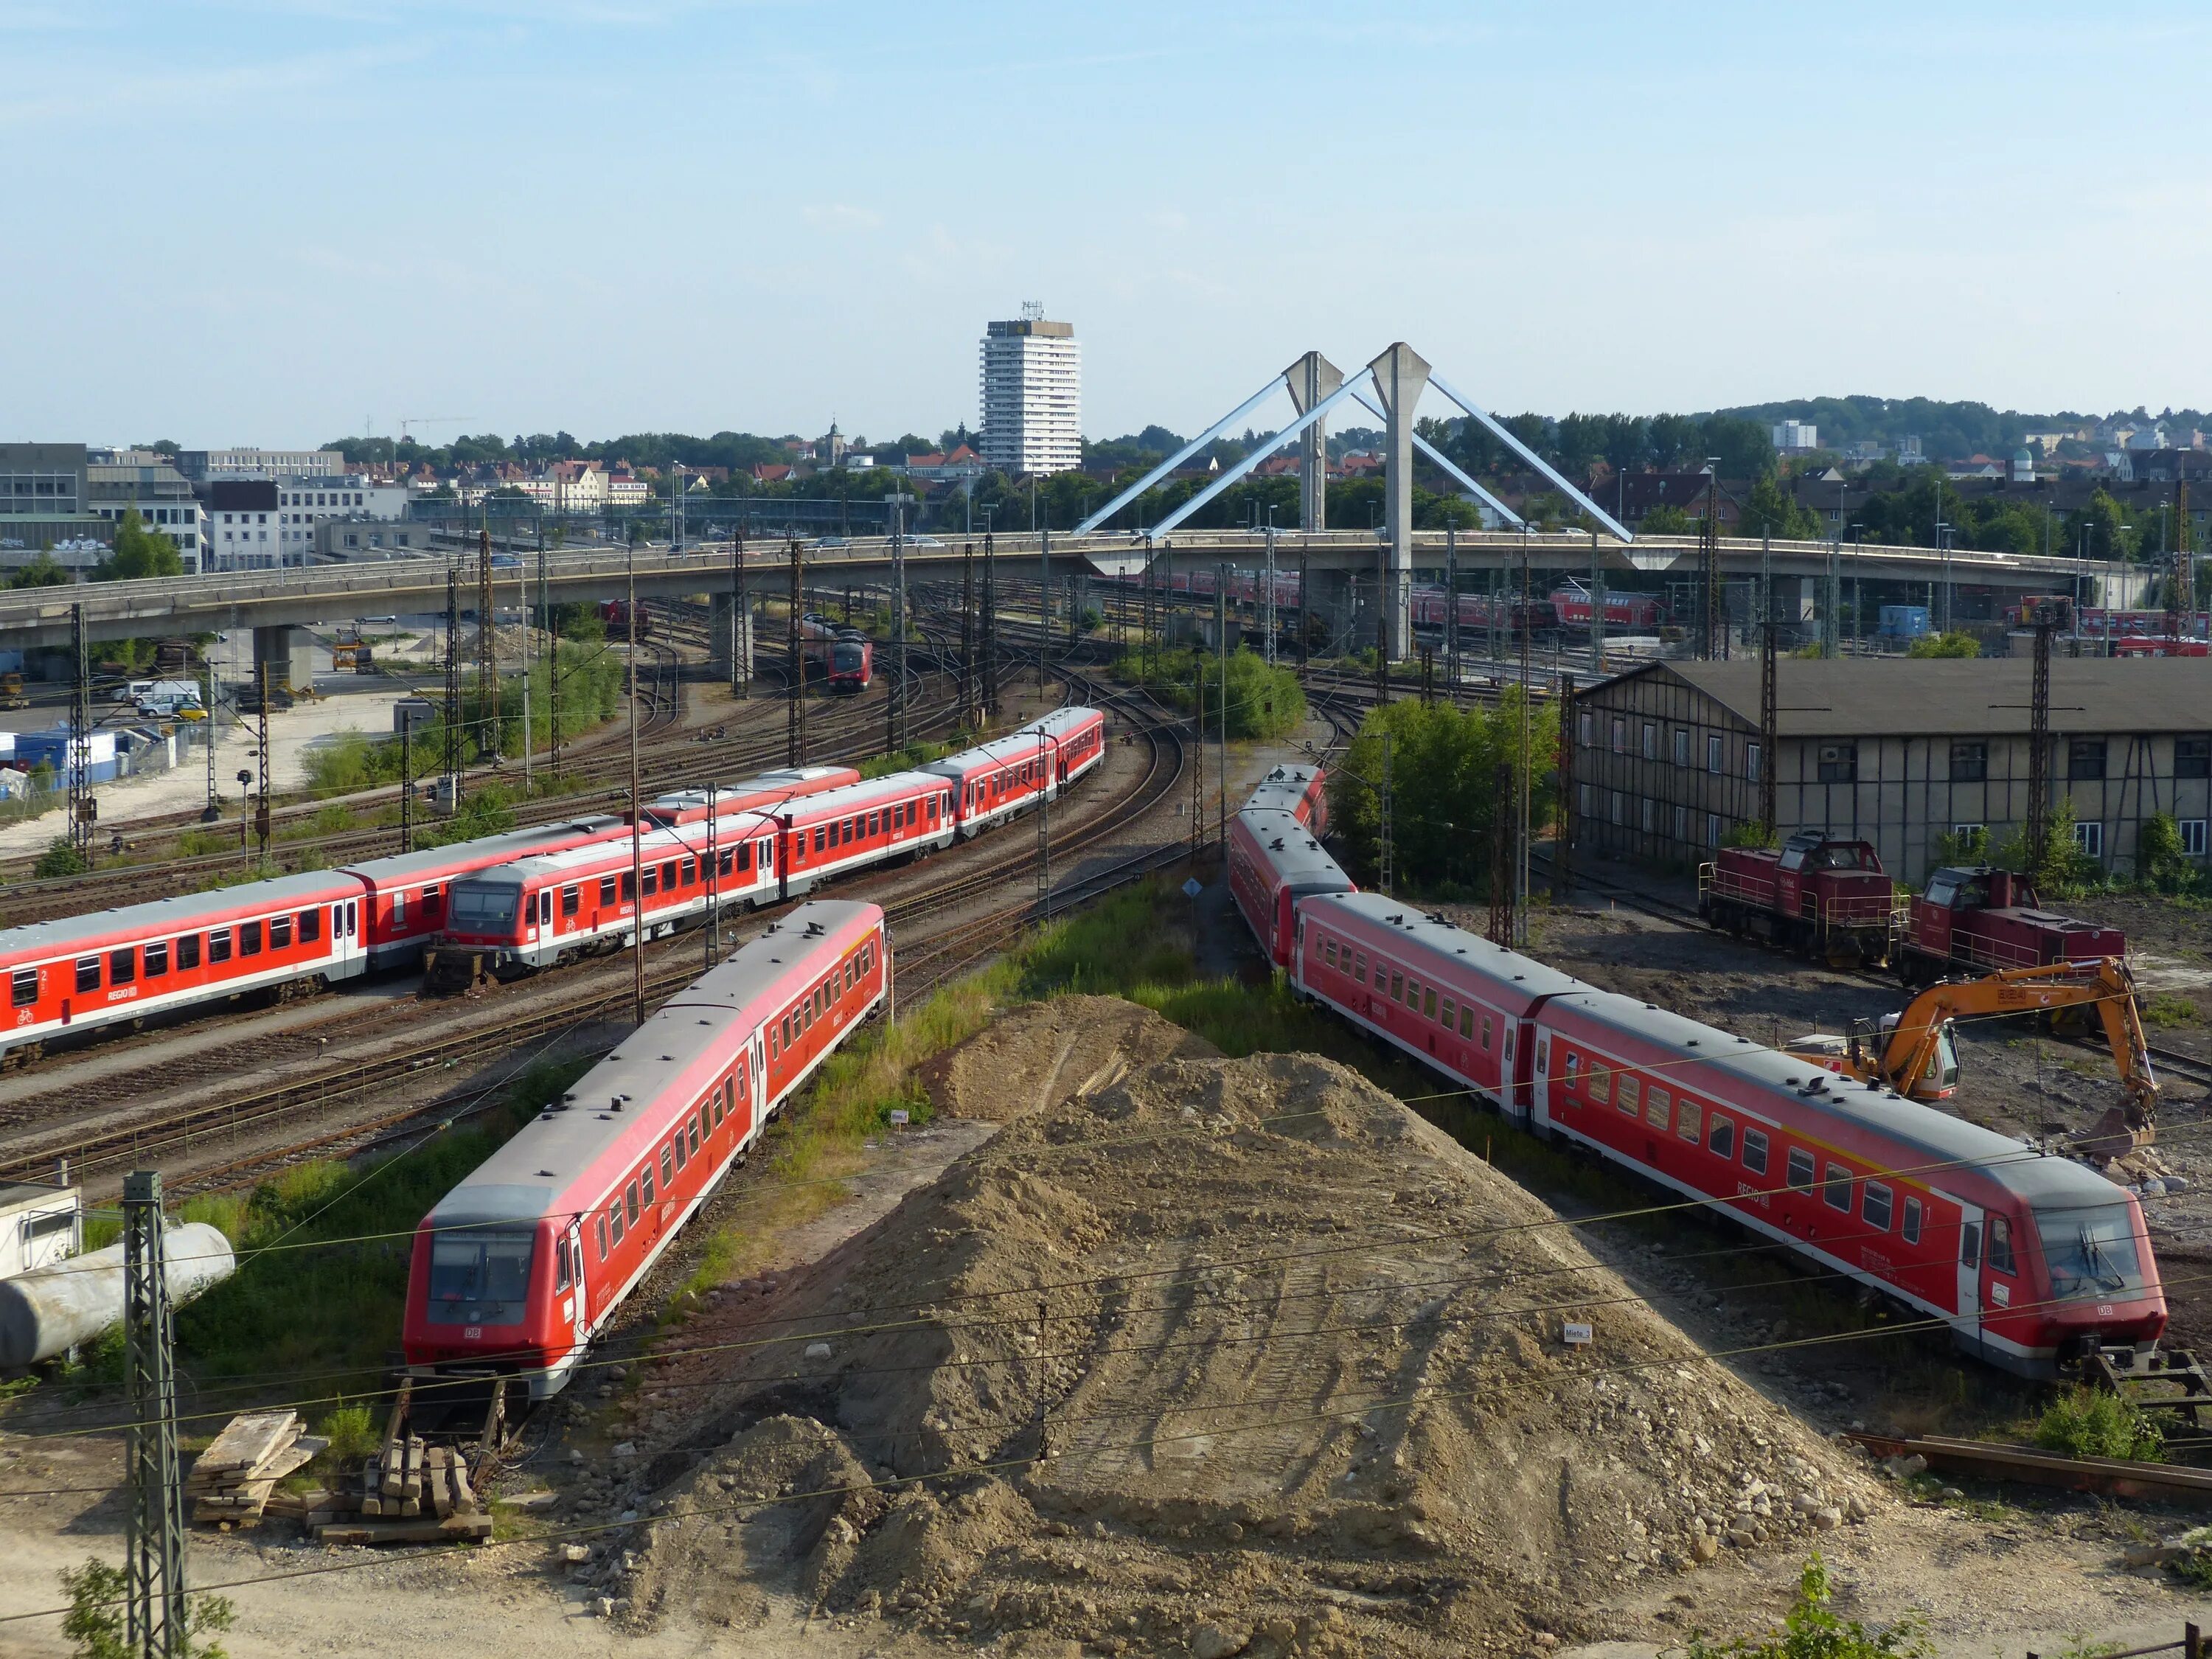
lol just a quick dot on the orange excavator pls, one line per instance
(1912, 1051)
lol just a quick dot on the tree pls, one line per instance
(138, 552)
(42, 571)
(1954, 644)
(2161, 863)
(1666, 520)
(1443, 776)
(60, 859)
(1744, 448)
(1675, 442)
(1770, 510)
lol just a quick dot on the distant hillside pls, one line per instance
(1945, 430)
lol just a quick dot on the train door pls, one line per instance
(1968, 1323)
(1511, 1067)
(577, 1311)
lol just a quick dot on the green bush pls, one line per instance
(2161, 863)
(97, 1622)
(1750, 833)
(2065, 868)
(60, 859)
(1811, 1630)
(1945, 644)
(1262, 703)
(2091, 1423)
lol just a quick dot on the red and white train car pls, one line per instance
(81, 973)
(1274, 862)
(1575, 605)
(995, 781)
(540, 912)
(905, 814)
(514, 1270)
(1300, 791)
(404, 904)
(1078, 737)
(764, 793)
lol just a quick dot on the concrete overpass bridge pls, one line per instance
(31, 618)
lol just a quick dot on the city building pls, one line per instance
(1032, 394)
(352, 540)
(243, 529)
(626, 489)
(44, 498)
(1909, 452)
(304, 503)
(1635, 494)
(200, 466)
(161, 496)
(1901, 752)
(1796, 437)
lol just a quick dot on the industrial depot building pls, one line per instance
(1900, 752)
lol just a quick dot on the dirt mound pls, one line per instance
(1038, 1055)
(1239, 1356)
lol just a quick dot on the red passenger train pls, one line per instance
(1300, 791)
(1274, 862)
(2034, 1262)
(515, 1270)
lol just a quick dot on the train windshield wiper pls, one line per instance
(2093, 1258)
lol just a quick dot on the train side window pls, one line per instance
(2001, 1257)
(1328, 952)
(606, 889)
(629, 1200)
(399, 910)
(668, 1175)
(1466, 1020)
(1875, 1205)
(1911, 1227)
(545, 908)
(601, 1232)
(645, 1182)
(1836, 1188)
(652, 881)
(1359, 973)
(434, 900)
(718, 1105)
(1486, 1034)
(560, 1278)
(310, 927)
(1601, 1085)
(1450, 1015)
(571, 901)
(726, 861)
(188, 952)
(1720, 1137)
(280, 932)
(1658, 1106)
(691, 871)
(682, 1153)
(875, 823)
(1687, 1112)
(122, 966)
(87, 973)
(1970, 1244)
(1429, 1002)
(668, 876)
(1754, 1150)
(249, 939)
(23, 986)
(819, 831)
(693, 1129)
(1632, 1093)
(1397, 985)
(628, 1197)
(1801, 1171)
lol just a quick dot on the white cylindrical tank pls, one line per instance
(49, 1311)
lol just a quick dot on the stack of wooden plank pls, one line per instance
(231, 1482)
(411, 1492)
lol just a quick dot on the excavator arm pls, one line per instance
(2106, 983)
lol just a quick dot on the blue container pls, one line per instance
(1903, 622)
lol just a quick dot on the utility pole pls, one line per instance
(741, 621)
(1305, 614)
(1770, 721)
(214, 710)
(1384, 849)
(968, 719)
(522, 586)
(989, 651)
(2038, 743)
(2181, 587)
(1523, 790)
(1501, 857)
(1713, 625)
(1597, 609)
(1563, 841)
(1221, 648)
(1044, 593)
(1198, 752)
(1269, 620)
(713, 929)
(895, 712)
(552, 657)
(453, 688)
(795, 718)
(77, 751)
(1451, 610)
(154, 1617)
(406, 782)
(1428, 676)
(1044, 825)
(261, 825)
(636, 826)
(487, 650)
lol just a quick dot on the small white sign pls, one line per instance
(899, 1116)
(1575, 1336)
(1193, 887)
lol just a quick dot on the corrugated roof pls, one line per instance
(1911, 696)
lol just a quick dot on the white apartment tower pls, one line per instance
(1032, 394)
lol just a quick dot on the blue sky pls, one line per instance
(271, 222)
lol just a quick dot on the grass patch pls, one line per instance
(2168, 1012)
(915, 754)
(2091, 1423)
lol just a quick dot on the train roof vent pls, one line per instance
(1690, 1043)
(1789, 1082)
(548, 1174)
(1517, 977)
(814, 930)
(672, 1057)
(1276, 845)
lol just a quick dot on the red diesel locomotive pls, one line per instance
(514, 1271)
(1817, 896)
(1977, 919)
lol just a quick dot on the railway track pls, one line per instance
(940, 942)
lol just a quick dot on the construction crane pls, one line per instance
(431, 420)
(1912, 1051)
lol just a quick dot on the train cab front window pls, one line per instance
(2090, 1251)
(484, 907)
(481, 1276)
